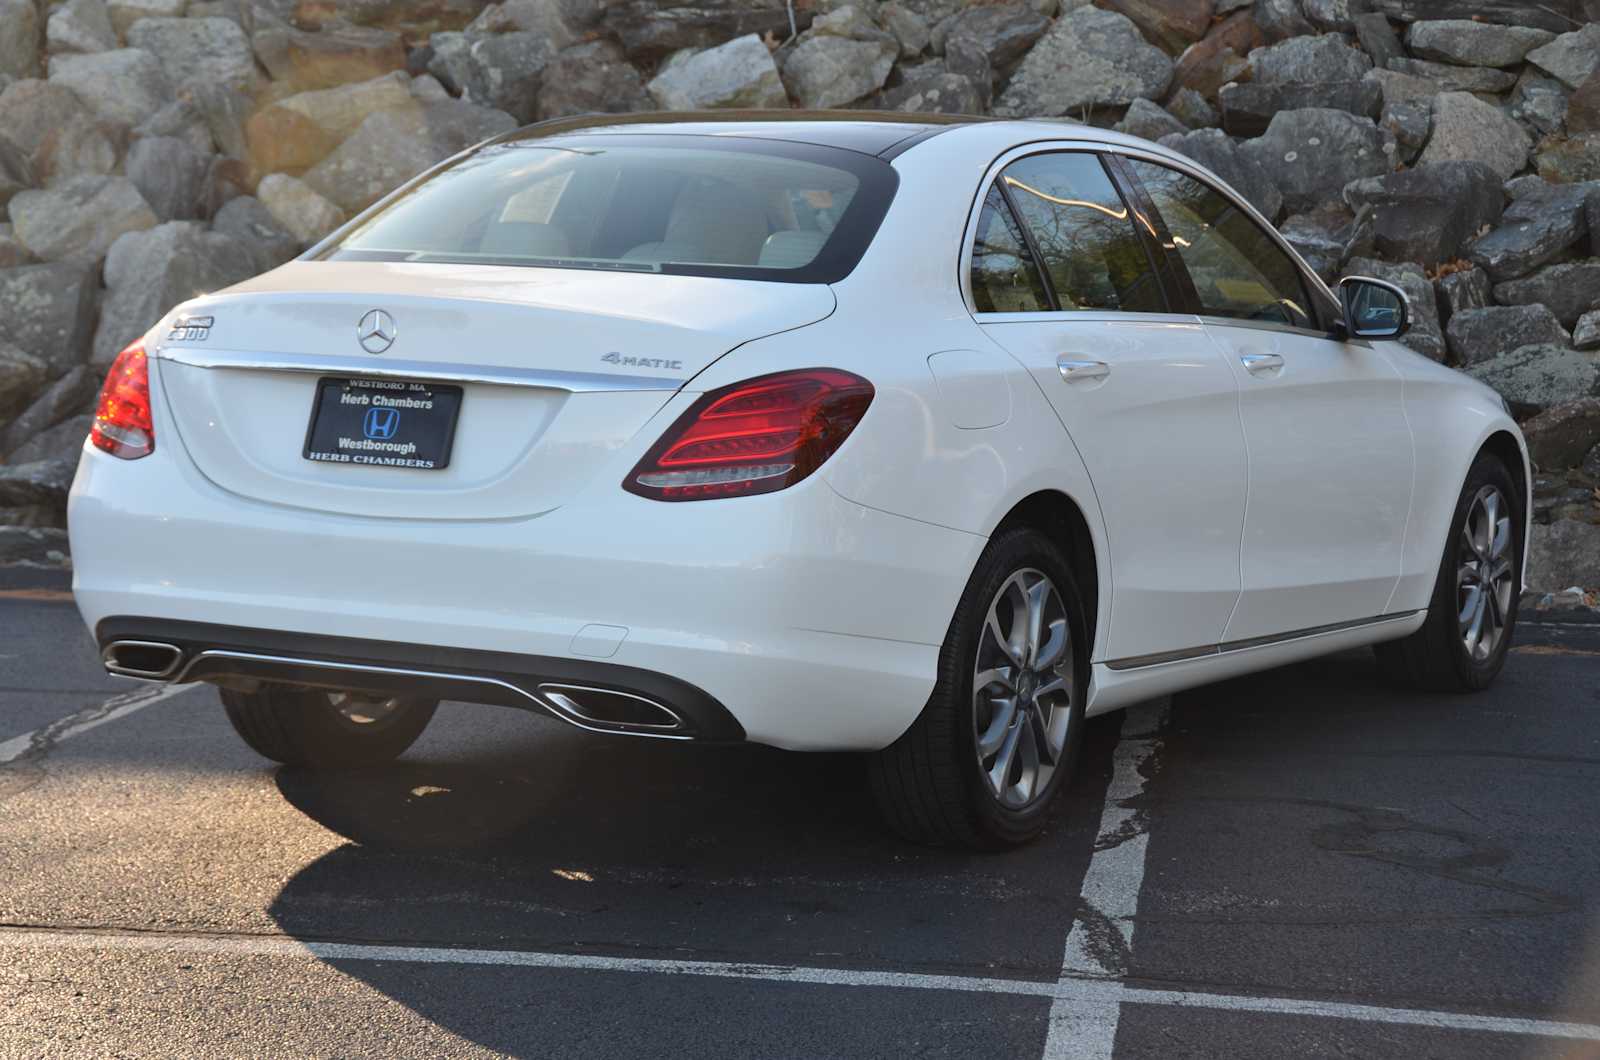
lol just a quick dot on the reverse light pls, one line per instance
(757, 436)
(122, 424)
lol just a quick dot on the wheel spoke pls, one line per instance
(993, 737)
(1501, 541)
(1028, 763)
(1475, 630)
(1469, 608)
(1004, 676)
(1050, 688)
(1041, 736)
(994, 633)
(1037, 594)
(1055, 645)
(1000, 772)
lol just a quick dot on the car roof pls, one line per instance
(880, 133)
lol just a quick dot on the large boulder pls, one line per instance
(124, 13)
(1303, 60)
(1172, 24)
(1572, 57)
(391, 147)
(502, 70)
(1248, 107)
(1569, 159)
(22, 376)
(1556, 15)
(297, 208)
(56, 130)
(80, 26)
(1536, 228)
(300, 60)
(1583, 106)
(828, 71)
(225, 109)
(1463, 289)
(71, 393)
(1377, 39)
(1586, 332)
(1447, 77)
(1466, 128)
(147, 273)
(934, 89)
(415, 19)
(1219, 57)
(1424, 335)
(1563, 554)
(1319, 237)
(78, 219)
(171, 176)
(298, 131)
(48, 311)
(1312, 154)
(209, 49)
(1429, 213)
(650, 30)
(910, 29)
(1568, 290)
(181, 120)
(125, 86)
(19, 38)
(740, 73)
(1149, 121)
(1002, 33)
(1469, 43)
(61, 442)
(594, 78)
(248, 222)
(1532, 378)
(1476, 335)
(1089, 58)
(1560, 436)
(1213, 149)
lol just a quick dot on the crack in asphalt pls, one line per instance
(21, 768)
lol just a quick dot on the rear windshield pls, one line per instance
(697, 205)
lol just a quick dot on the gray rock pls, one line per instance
(147, 273)
(503, 70)
(828, 71)
(80, 26)
(1248, 107)
(1312, 154)
(16, 172)
(1591, 465)
(393, 146)
(74, 392)
(78, 219)
(1469, 43)
(1582, 113)
(48, 311)
(1571, 57)
(207, 49)
(125, 86)
(1213, 149)
(1089, 58)
(1302, 60)
(59, 443)
(1540, 102)
(1319, 238)
(182, 120)
(935, 92)
(19, 38)
(124, 13)
(1476, 335)
(544, 17)
(1570, 159)
(963, 57)
(1150, 121)
(1466, 128)
(1281, 19)
(299, 60)
(907, 27)
(1002, 32)
(1430, 213)
(1172, 25)
(1533, 378)
(1560, 436)
(170, 175)
(1337, 15)
(1424, 335)
(1378, 39)
(1402, 88)
(1446, 77)
(652, 29)
(226, 110)
(57, 132)
(34, 546)
(297, 208)
(12, 252)
(591, 78)
(1563, 554)
(42, 482)
(1586, 332)
(22, 376)
(1191, 108)
(1464, 289)
(1535, 229)
(1556, 15)
(1410, 123)
(298, 131)
(740, 73)
(253, 227)
(1568, 290)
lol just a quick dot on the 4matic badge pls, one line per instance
(642, 362)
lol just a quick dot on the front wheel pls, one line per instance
(314, 727)
(1000, 733)
(1462, 645)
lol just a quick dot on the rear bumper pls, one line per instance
(809, 621)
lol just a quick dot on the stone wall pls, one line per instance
(154, 149)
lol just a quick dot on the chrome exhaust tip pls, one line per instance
(611, 710)
(147, 660)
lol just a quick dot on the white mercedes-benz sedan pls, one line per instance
(876, 433)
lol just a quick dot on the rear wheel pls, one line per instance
(1473, 612)
(1000, 733)
(315, 727)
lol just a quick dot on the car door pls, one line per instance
(1062, 278)
(1330, 451)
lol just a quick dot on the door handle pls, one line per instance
(1077, 370)
(1261, 363)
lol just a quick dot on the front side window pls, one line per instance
(1238, 270)
(1085, 233)
(716, 206)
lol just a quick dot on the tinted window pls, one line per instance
(1084, 233)
(1238, 270)
(639, 203)
(1004, 277)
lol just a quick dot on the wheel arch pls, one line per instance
(1062, 519)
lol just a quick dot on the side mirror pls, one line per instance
(1373, 309)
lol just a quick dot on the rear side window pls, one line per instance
(1084, 231)
(694, 205)
(1005, 278)
(1238, 270)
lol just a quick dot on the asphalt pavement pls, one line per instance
(1298, 863)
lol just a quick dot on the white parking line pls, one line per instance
(45, 737)
(1101, 935)
(1087, 994)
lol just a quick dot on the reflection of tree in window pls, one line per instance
(1237, 269)
(1084, 232)
(1004, 279)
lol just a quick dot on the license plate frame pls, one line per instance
(366, 422)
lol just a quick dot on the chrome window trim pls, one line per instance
(1262, 325)
(1161, 658)
(370, 367)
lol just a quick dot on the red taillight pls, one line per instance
(122, 418)
(753, 437)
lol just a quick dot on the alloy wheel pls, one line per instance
(1484, 576)
(1022, 688)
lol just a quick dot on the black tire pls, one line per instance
(929, 784)
(305, 727)
(1435, 658)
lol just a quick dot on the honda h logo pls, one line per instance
(376, 332)
(381, 423)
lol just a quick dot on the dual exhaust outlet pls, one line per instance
(596, 709)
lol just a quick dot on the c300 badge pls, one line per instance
(190, 329)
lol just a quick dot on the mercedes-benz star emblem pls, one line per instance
(377, 331)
